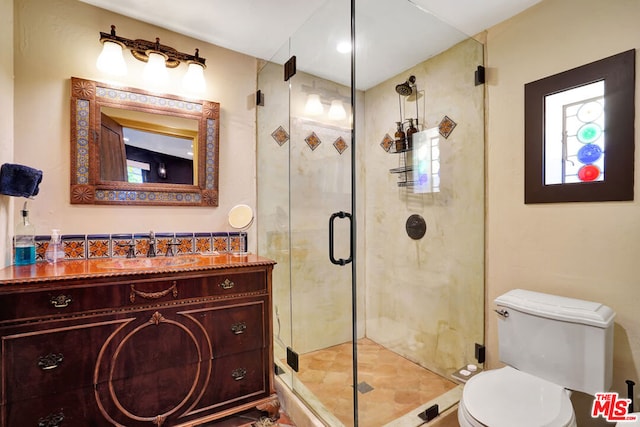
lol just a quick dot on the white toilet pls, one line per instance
(551, 346)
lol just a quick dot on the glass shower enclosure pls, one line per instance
(378, 289)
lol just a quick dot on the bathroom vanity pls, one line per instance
(111, 342)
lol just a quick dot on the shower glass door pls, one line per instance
(305, 209)
(377, 338)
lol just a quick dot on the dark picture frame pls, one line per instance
(618, 74)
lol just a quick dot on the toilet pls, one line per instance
(551, 345)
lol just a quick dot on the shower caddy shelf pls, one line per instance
(405, 170)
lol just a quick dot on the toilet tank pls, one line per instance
(564, 340)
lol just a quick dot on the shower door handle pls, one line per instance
(332, 219)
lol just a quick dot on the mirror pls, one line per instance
(133, 147)
(158, 148)
(241, 218)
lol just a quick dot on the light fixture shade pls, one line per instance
(111, 60)
(193, 80)
(155, 72)
(337, 111)
(313, 107)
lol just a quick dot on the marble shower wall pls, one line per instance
(420, 298)
(425, 298)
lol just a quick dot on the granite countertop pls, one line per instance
(112, 267)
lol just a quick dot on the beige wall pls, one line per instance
(582, 250)
(6, 122)
(57, 39)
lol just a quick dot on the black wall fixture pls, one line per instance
(416, 227)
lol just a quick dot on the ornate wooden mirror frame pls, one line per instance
(87, 187)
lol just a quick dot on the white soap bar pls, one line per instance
(472, 368)
(464, 372)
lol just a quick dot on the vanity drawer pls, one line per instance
(71, 409)
(52, 361)
(233, 328)
(236, 378)
(235, 283)
(60, 302)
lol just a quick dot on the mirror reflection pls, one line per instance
(140, 147)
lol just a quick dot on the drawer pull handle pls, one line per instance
(227, 284)
(239, 374)
(238, 328)
(154, 295)
(61, 301)
(51, 420)
(50, 361)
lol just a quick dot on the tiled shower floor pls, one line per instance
(389, 385)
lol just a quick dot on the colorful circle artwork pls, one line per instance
(590, 111)
(588, 133)
(589, 153)
(588, 173)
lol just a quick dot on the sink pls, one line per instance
(145, 263)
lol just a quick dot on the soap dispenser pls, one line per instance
(24, 240)
(54, 252)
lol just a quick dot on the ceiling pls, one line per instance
(391, 35)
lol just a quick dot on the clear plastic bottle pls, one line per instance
(24, 240)
(54, 252)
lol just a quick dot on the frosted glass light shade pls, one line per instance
(337, 111)
(110, 60)
(193, 80)
(155, 72)
(313, 107)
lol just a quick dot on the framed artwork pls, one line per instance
(579, 133)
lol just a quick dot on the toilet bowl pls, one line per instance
(540, 338)
(507, 397)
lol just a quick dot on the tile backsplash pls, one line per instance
(95, 246)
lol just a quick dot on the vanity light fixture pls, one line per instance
(313, 107)
(157, 56)
(337, 111)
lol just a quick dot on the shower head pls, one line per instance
(406, 88)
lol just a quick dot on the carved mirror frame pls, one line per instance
(88, 96)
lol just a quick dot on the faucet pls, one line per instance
(170, 246)
(152, 245)
(131, 252)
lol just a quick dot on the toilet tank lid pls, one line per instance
(557, 307)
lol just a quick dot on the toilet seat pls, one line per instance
(507, 397)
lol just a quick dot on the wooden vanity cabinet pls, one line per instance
(167, 349)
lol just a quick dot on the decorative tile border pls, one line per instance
(82, 138)
(146, 100)
(280, 135)
(446, 126)
(99, 246)
(386, 143)
(313, 141)
(340, 145)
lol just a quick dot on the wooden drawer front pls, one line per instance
(235, 283)
(72, 409)
(47, 362)
(236, 379)
(233, 328)
(142, 399)
(61, 302)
